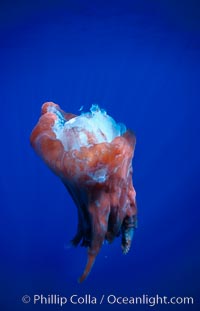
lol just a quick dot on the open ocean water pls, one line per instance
(140, 61)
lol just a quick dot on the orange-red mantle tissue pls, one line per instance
(92, 155)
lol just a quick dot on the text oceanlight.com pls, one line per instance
(111, 299)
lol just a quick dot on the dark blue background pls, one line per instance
(140, 60)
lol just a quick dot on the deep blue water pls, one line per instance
(140, 60)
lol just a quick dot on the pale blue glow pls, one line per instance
(75, 133)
